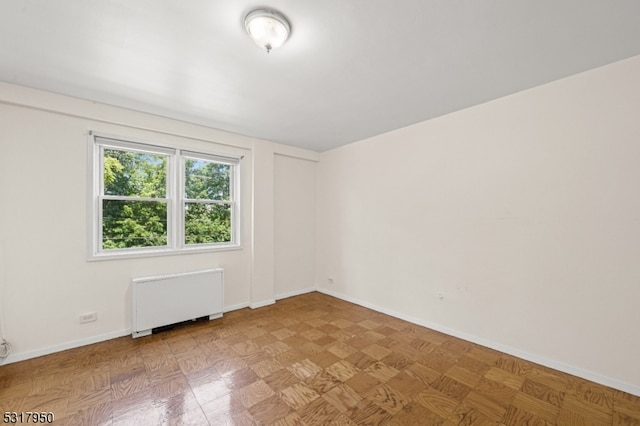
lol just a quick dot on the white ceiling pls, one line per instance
(351, 69)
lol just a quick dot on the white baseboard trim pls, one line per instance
(556, 365)
(262, 303)
(295, 293)
(64, 346)
(235, 307)
(88, 341)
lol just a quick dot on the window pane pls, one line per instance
(206, 180)
(134, 174)
(207, 223)
(133, 224)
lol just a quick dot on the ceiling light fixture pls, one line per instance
(268, 28)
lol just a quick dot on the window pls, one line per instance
(151, 200)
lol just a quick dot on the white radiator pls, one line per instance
(169, 299)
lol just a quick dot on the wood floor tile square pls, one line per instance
(192, 417)
(83, 383)
(323, 358)
(266, 367)
(359, 342)
(381, 371)
(298, 395)
(319, 412)
(246, 347)
(598, 395)
(501, 376)
(463, 376)
(341, 350)
(283, 333)
(292, 419)
(384, 330)
(391, 400)
(543, 392)
(376, 351)
(362, 382)
(498, 392)
(326, 340)
(98, 415)
(223, 407)
(210, 391)
(40, 384)
(425, 374)
(360, 360)
(451, 387)
(342, 370)
(437, 402)
(484, 355)
(124, 386)
(254, 393)
(316, 322)
(328, 328)
(269, 410)
(487, 406)
(554, 381)
(239, 378)
(627, 404)
(415, 414)
(530, 404)
(388, 342)
(369, 324)
(437, 361)
(586, 409)
(341, 323)
(465, 415)
(517, 417)
(398, 359)
(137, 410)
(89, 398)
(373, 336)
(280, 380)
(367, 412)
(290, 357)
(342, 397)
(407, 384)
(304, 369)
(624, 419)
(296, 341)
(229, 365)
(322, 382)
(513, 365)
(177, 404)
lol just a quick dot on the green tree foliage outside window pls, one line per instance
(207, 215)
(126, 221)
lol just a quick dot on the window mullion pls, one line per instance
(171, 207)
(179, 200)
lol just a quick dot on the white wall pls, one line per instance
(294, 226)
(523, 212)
(46, 281)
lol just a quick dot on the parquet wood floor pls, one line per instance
(307, 360)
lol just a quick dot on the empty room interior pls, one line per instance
(413, 212)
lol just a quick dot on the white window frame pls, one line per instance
(175, 198)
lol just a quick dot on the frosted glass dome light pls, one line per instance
(268, 29)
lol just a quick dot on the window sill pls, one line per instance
(123, 254)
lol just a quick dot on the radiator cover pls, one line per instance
(168, 299)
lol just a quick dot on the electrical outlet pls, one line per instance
(88, 317)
